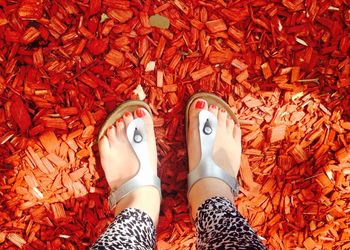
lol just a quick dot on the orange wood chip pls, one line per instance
(216, 25)
(49, 141)
(16, 239)
(251, 101)
(277, 133)
(77, 174)
(298, 153)
(58, 210)
(202, 73)
(282, 66)
(247, 175)
(55, 159)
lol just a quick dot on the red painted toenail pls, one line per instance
(140, 113)
(127, 114)
(222, 110)
(212, 106)
(120, 120)
(200, 104)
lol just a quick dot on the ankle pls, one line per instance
(147, 199)
(205, 189)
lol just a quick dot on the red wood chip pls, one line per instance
(283, 66)
(19, 113)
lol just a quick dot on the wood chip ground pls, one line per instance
(283, 66)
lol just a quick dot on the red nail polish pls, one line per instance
(200, 104)
(127, 114)
(120, 120)
(140, 113)
(212, 106)
(222, 110)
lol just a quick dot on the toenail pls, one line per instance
(200, 104)
(127, 114)
(140, 113)
(222, 110)
(120, 120)
(212, 106)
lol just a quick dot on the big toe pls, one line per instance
(198, 105)
(143, 114)
(193, 140)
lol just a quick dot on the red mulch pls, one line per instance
(283, 66)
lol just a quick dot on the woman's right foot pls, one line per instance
(226, 153)
(120, 163)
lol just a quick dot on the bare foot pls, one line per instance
(120, 163)
(226, 153)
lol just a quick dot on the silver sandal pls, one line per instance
(207, 132)
(138, 140)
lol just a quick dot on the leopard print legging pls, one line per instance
(218, 226)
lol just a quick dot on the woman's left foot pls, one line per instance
(226, 153)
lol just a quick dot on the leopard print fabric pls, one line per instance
(218, 226)
(131, 229)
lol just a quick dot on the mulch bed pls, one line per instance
(283, 66)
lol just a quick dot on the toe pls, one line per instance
(145, 115)
(120, 125)
(237, 134)
(193, 141)
(142, 113)
(222, 117)
(230, 123)
(196, 107)
(127, 116)
(103, 145)
(214, 109)
(111, 134)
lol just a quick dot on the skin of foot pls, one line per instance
(120, 163)
(226, 153)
